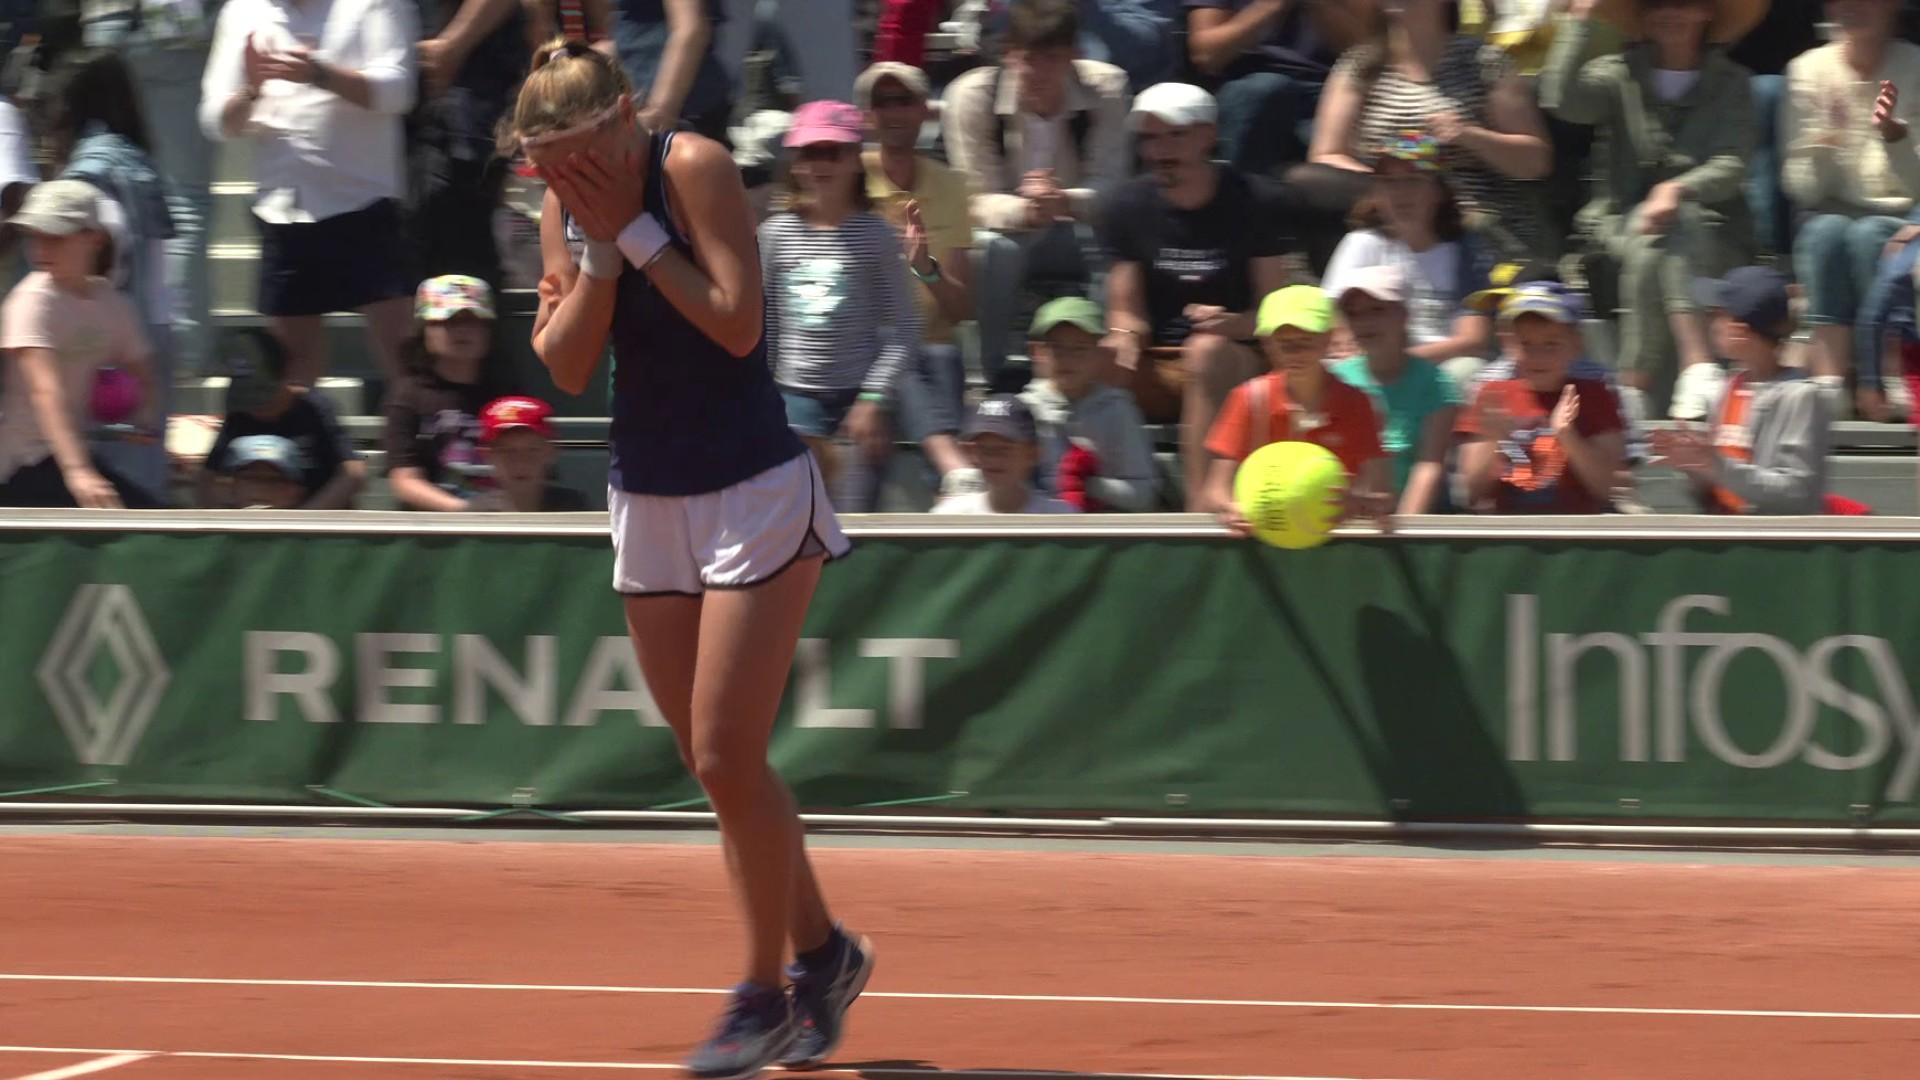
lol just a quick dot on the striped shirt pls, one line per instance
(1461, 84)
(839, 316)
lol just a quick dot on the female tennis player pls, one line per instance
(720, 520)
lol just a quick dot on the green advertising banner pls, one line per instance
(1521, 679)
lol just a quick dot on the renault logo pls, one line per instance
(103, 732)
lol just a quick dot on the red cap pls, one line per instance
(508, 413)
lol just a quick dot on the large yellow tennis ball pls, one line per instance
(1289, 493)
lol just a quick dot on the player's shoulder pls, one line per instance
(692, 157)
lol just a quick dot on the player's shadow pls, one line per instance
(1430, 753)
(1436, 752)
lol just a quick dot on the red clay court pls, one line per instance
(213, 955)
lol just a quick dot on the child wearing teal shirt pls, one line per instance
(1417, 402)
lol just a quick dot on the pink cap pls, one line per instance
(826, 122)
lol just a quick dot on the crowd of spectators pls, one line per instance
(1474, 247)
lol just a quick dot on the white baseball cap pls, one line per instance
(1177, 104)
(906, 75)
(1384, 282)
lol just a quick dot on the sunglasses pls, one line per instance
(823, 152)
(894, 101)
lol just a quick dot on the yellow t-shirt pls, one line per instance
(942, 194)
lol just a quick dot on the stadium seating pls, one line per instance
(1872, 463)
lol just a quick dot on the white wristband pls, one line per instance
(602, 260)
(642, 241)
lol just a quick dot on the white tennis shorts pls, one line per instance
(727, 539)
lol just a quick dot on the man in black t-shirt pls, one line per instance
(1195, 244)
(260, 401)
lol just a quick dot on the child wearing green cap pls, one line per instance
(1094, 451)
(1300, 400)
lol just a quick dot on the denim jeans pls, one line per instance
(169, 83)
(1889, 307)
(931, 392)
(1772, 213)
(168, 80)
(1265, 119)
(1836, 259)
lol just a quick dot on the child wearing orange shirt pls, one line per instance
(1300, 400)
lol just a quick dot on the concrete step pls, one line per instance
(348, 354)
(233, 221)
(1849, 435)
(233, 276)
(208, 396)
(233, 161)
(1884, 483)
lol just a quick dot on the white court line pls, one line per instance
(113, 1060)
(627, 1066)
(1031, 999)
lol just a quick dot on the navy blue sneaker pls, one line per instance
(821, 998)
(757, 1029)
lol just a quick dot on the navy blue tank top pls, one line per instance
(688, 417)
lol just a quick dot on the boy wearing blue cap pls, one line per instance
(1766, 452)
(267, 471)
(1544, 441)
(1004, 442)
